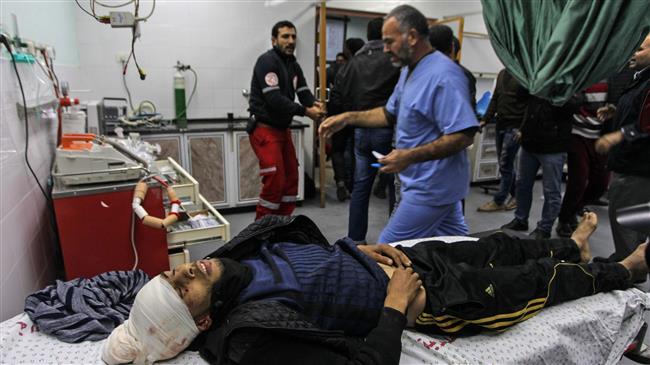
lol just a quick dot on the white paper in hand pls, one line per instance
(377, 155)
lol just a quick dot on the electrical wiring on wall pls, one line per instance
(135, 30)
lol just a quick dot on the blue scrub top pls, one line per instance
(431, 102)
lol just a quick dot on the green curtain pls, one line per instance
(556, 48)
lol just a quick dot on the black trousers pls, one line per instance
(343, 156)
(499, 281)
(588, 177)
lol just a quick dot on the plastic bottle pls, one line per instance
(73, 121)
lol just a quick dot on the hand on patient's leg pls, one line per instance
(586, 227)
(416, 305)
(402, 289)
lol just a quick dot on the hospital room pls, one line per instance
(324, 182)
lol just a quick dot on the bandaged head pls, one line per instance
(159, 327)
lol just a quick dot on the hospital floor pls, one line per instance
(333, 222)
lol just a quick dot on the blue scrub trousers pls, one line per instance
(412, 220)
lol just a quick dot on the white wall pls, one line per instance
(26, 240)
(478, 55)
(358, 28)
(27, 245)
(44, 21)
(220, 40)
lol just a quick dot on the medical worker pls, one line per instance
(434, 122)
(277, 78)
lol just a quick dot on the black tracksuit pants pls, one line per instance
(499, 281)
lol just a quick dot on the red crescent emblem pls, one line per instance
(271, 79)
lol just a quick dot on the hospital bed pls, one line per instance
(591, 330)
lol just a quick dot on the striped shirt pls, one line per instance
(336, 287)
(585, 121)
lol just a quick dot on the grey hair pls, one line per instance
(409, 17)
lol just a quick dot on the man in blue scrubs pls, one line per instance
(434, 124)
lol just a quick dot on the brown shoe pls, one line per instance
(511, 204)
(491, 206)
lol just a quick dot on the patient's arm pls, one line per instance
(416, 306)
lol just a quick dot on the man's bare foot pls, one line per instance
(635, 263)
(581, 235)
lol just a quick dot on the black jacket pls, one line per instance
(508, 104)
(617, 84)
(365, 82)
(268, 332)
(277, 78)
(546, 128)
(631, 157)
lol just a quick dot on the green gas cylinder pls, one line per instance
(179, 100)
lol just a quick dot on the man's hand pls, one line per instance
(606, 112)
(395, 161)
(609, 140)
(481, 124)
(321, 106)
(332, 125)
(314, 112)
(386, 254)
(402, 288)
(518, 136)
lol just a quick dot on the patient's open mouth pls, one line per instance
(205, 266)
(202, 267)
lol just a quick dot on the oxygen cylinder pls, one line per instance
(179, 100)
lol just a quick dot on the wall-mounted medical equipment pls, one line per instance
(104, 116)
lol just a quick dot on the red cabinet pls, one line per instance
(94, 227)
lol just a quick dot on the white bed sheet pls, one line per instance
(591, 330)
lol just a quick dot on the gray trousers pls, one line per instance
(626, 190)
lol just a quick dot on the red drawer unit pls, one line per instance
(94, 225)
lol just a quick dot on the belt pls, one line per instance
(260, 124)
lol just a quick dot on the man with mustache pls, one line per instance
(277, 78)
(434, 123)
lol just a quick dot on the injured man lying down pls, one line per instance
(279, 293)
